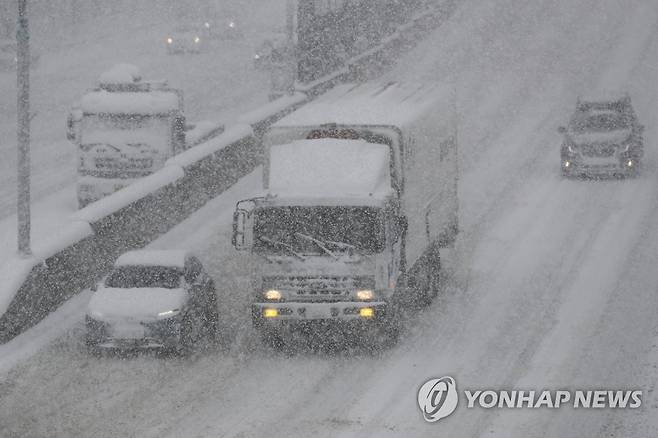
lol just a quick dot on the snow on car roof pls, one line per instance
(330, 167)
(391, 104)
(603, 97)
(170, 258)
(153, 102)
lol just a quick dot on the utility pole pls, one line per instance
(23, 131)
(291, 11)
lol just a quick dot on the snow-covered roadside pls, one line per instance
(27, 344)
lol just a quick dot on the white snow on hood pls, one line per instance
(165, 257)
(134, 303)
(617, 136)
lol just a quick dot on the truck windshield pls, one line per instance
(119, 130)
(306, 230)
(600, 122)
(144, 276)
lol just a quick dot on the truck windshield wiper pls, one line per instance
(319, 243)
(340, 245)
(284, 245)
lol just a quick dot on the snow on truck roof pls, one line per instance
(120, 74)
(168, 258)
(330, 168)
(153, 102)
(390, 104)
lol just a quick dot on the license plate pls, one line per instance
(128, 332)
(318, 312)
(600, 161)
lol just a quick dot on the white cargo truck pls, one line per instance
(360, 193)
(124, 129)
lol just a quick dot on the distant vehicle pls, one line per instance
(263, 53)
(124, 129)
(222, 29)
(152, 299)
(9, 58)
(360, 194)
(188, 38)
(603, 138)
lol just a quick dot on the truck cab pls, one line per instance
(355, 206)
(124, 129)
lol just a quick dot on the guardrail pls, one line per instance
(136, 215)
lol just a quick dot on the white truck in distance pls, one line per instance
(360, 193)
(124, 129)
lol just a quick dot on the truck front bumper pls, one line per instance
(91, 188)
(286, 313)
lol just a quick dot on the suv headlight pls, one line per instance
(168, 313)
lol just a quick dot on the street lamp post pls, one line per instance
(23, 131)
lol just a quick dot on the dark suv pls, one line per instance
(153, 299)
(603, 138)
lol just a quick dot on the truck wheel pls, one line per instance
(92, 347)
(390, 330)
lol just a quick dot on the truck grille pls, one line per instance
(599, 150)
(329, 288)
(127, 164)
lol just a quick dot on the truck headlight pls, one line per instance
(170, 40)
(272, 295)
(365, 294)
(197, 39)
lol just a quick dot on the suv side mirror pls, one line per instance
(562, 129)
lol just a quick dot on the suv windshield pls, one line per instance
(305, 230)
(144, 276)
(599, 122)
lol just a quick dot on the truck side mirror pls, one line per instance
(73, 126)
(178, 134)
(239, 239)
(562, 129)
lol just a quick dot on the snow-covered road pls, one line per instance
(552, 284)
